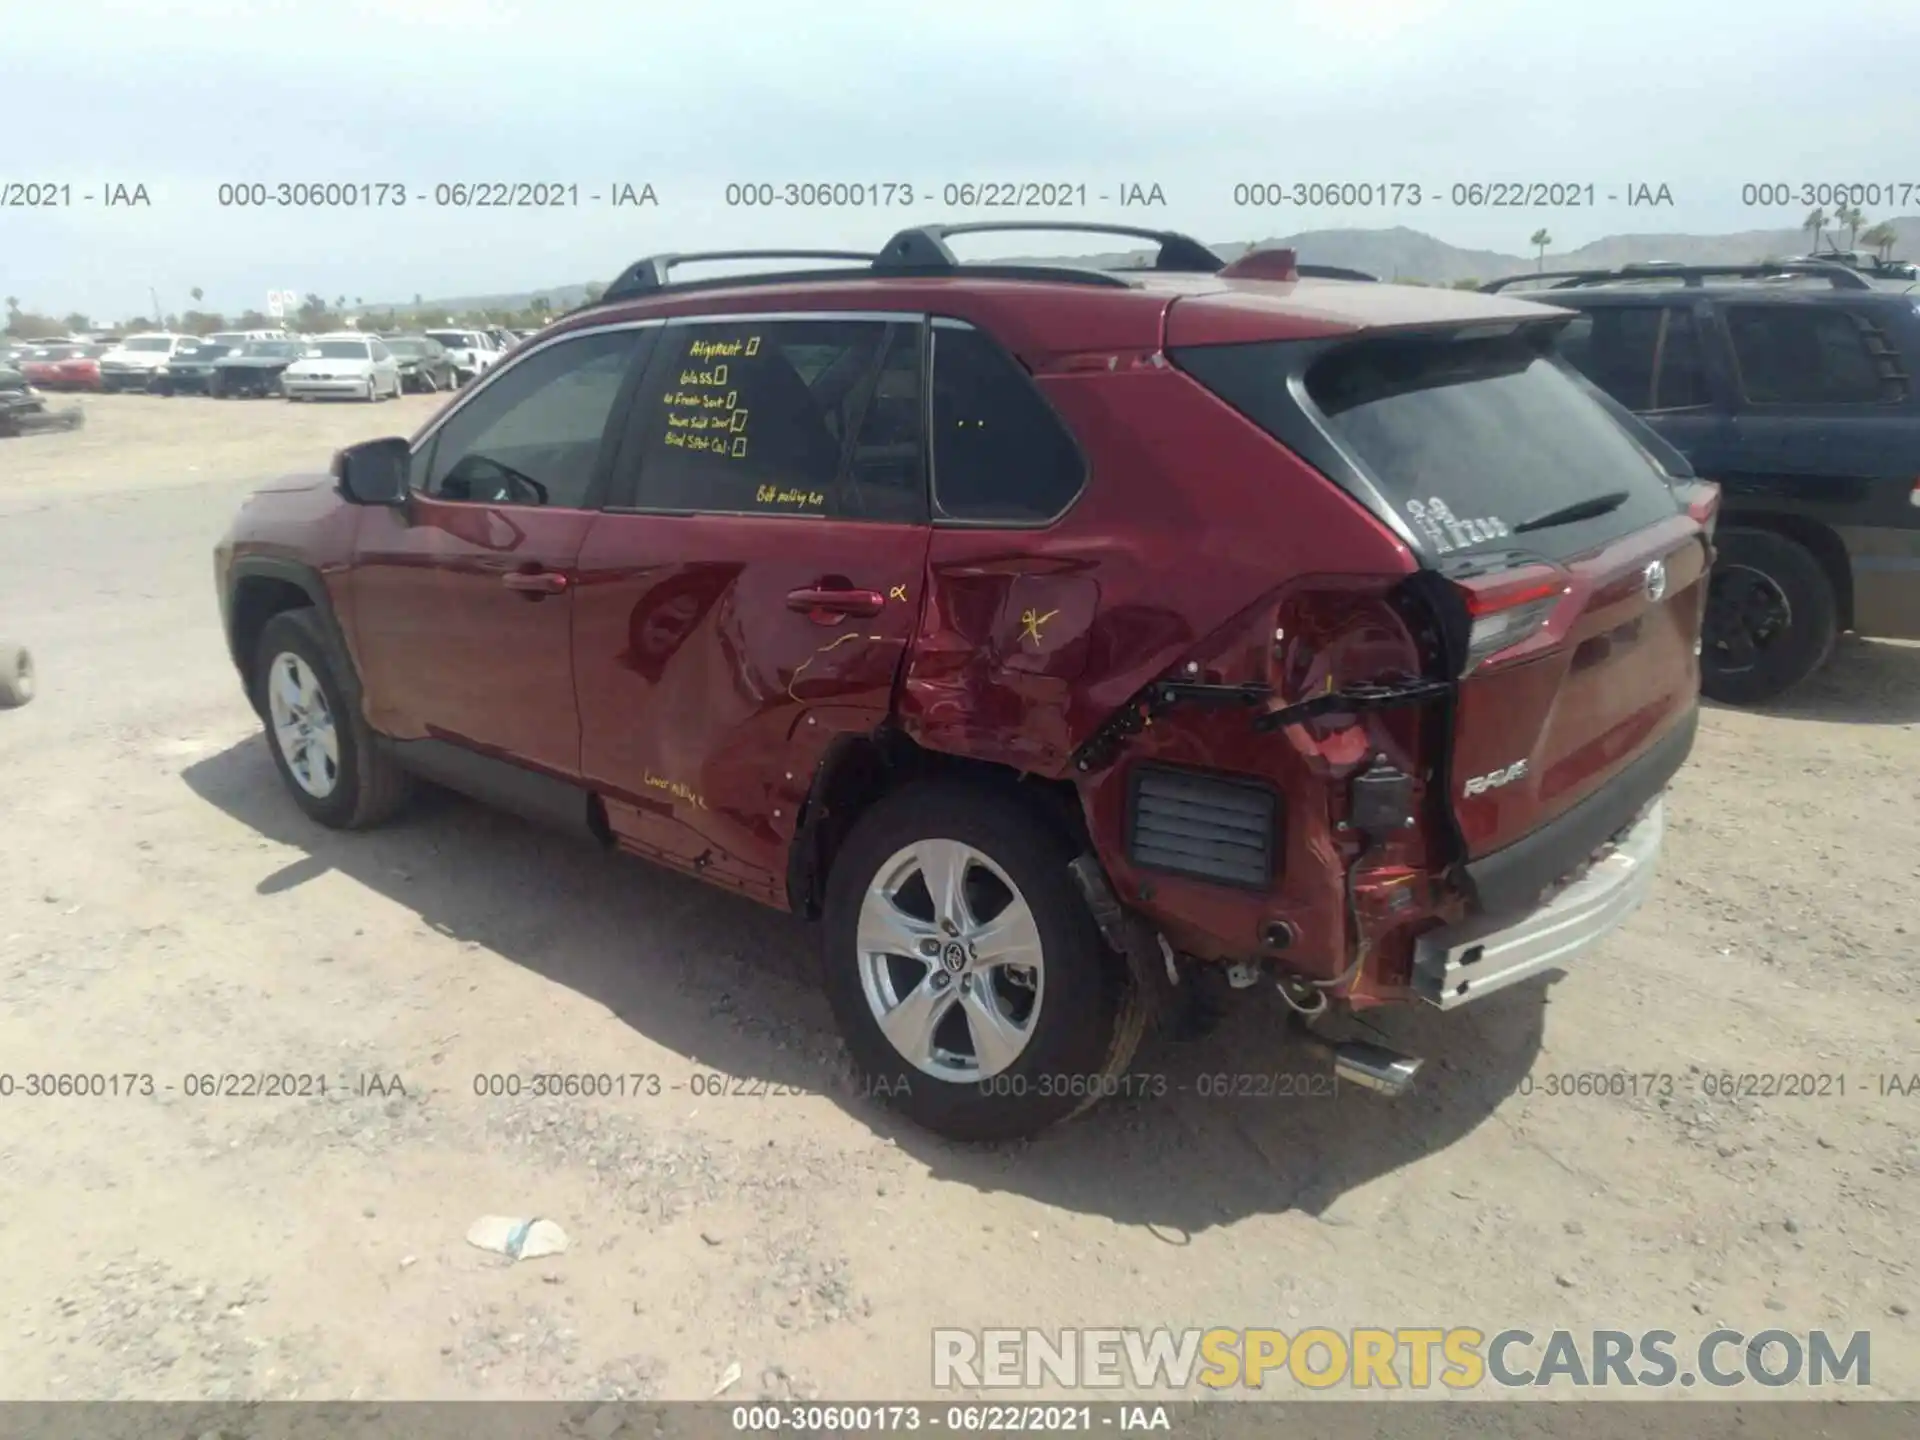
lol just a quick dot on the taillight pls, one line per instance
(1702, 499)
(1508, 608)
(1913, 495)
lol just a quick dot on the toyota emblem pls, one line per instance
(954, 957)
(1654, 578)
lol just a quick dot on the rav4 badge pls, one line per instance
(1494, 779)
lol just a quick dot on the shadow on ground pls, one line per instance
(1236, 1124)
(1867, 682)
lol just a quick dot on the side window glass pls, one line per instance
(768, 417)
(999, 451)
(1620, 351)
(1808, 355)
(533, 436)
(1680, 368)
(885, 476)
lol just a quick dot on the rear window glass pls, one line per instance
(1467, 440)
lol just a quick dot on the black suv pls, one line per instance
(1792, 386)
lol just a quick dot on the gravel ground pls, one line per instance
(165, 911)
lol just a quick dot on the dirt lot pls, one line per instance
(165, 910)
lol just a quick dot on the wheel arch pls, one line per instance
(857, 770)
(1819, 540)
(261, 587)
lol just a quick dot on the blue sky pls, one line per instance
(183, 95)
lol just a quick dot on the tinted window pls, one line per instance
(1466, 440)
(999, 451)
(1811, 355)
(792, 417)
(1648, 357)
(532, 437)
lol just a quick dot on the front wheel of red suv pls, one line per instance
(1771, 618)
(323, 749)
(969, 980)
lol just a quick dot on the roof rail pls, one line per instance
(923, 249)
(1839, 276)
(643, 277)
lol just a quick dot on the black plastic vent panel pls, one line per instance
(1186, 822)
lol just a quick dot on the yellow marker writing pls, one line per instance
(1031, 622)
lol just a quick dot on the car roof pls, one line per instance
(1037, 312)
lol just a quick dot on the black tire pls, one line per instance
(1091, 1016)
(1771, 618)
(16, 676)
(369, 787)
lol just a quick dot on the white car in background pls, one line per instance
(236, 338)
(473, 352)
(132, 364)
(343, 367)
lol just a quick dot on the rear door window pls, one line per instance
(1813, 355)
(1477, 445)
(1648, 357)
(806, 418)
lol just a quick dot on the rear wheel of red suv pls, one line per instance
(323, 749)
(970, 982)
(1771, 618)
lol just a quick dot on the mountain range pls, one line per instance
(1398, 253)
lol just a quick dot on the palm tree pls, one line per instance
(1882, 237)
(1540, 239)
(1815, 222)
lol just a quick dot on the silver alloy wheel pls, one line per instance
(950, 961)
(303, 724)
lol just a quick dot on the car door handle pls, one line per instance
(535, 583)
(836, 602)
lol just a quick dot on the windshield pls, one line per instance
(151, 343)
(277, 349)
(1467, 440)
(452, 339)
(340, 350)
(409, 348)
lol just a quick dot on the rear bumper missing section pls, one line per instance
(1461, 963)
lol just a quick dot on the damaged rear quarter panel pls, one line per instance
(1191, 518)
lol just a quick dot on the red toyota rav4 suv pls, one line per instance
(1067, 642)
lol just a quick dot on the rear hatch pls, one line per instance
(1554, 551)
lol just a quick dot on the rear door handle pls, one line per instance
(535, 583)
(820, 603)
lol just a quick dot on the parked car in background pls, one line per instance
(253, 369)
(424, 363)
(24, 410)
(63, 367)
(473, 352)
(236, 338)
(1067, 642)
(1867, 263)
(189, 371)
(1793, 387)
(131, 364)
(343, 367)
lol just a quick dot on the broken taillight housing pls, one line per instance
(1702, 501)
(1508, 608)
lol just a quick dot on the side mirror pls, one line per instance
(373, 472)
